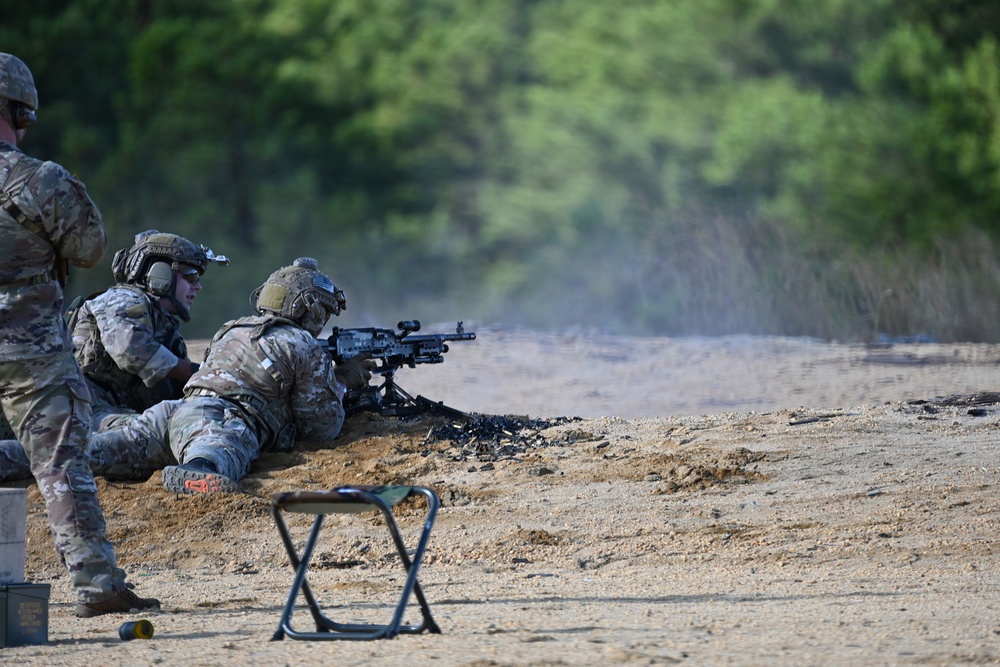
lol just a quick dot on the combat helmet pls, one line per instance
(155, 261)
(301, 293)
(18, 87)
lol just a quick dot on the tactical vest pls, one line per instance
(237, 369)
(126, 389)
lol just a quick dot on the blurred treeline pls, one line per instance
(828, 168)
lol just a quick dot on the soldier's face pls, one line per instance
(187, 288)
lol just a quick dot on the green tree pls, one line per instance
(640, 164)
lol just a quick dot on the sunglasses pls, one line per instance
(193, 278)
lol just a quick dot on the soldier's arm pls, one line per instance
(126, 328)
(315, 403)
(71, 219)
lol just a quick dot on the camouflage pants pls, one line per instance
(47, 402)
(124, 444)
(215, 429)
(131, 445)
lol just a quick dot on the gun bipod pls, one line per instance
(390, 400)
(441, 408)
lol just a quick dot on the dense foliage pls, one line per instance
(800, 167)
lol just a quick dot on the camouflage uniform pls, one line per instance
(42, 389)
(129, 345)
(266, 382)
(126, 344)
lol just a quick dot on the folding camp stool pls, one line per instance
(352, 500)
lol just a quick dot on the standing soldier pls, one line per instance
(47, 220)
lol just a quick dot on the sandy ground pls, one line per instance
(736, 501)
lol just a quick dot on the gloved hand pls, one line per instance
(355, 372)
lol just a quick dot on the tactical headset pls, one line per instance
(158, 277)
(161, 279)
(22, 116)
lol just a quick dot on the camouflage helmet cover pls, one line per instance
(299, 291)
(16, 82)
(131, 264)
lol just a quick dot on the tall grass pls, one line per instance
(674, 276)
(715, 275)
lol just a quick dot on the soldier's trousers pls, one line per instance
(215, 429)
(132, 445)
(124, 445)
(47, 403)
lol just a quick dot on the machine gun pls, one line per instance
(393, 350)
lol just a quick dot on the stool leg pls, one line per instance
(412, 586)
(300, 565)
(433, 503)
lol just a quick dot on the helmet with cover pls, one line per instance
(301, 293)
(17, 87)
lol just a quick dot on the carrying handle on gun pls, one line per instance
(407, 327)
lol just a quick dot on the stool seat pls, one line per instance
(353, 500)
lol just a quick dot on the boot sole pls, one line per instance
(178, 480)
(83, 611)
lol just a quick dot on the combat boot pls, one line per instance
(123, 603)
(197, 476)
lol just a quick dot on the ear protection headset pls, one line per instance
(160, 279)
(22, 116)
